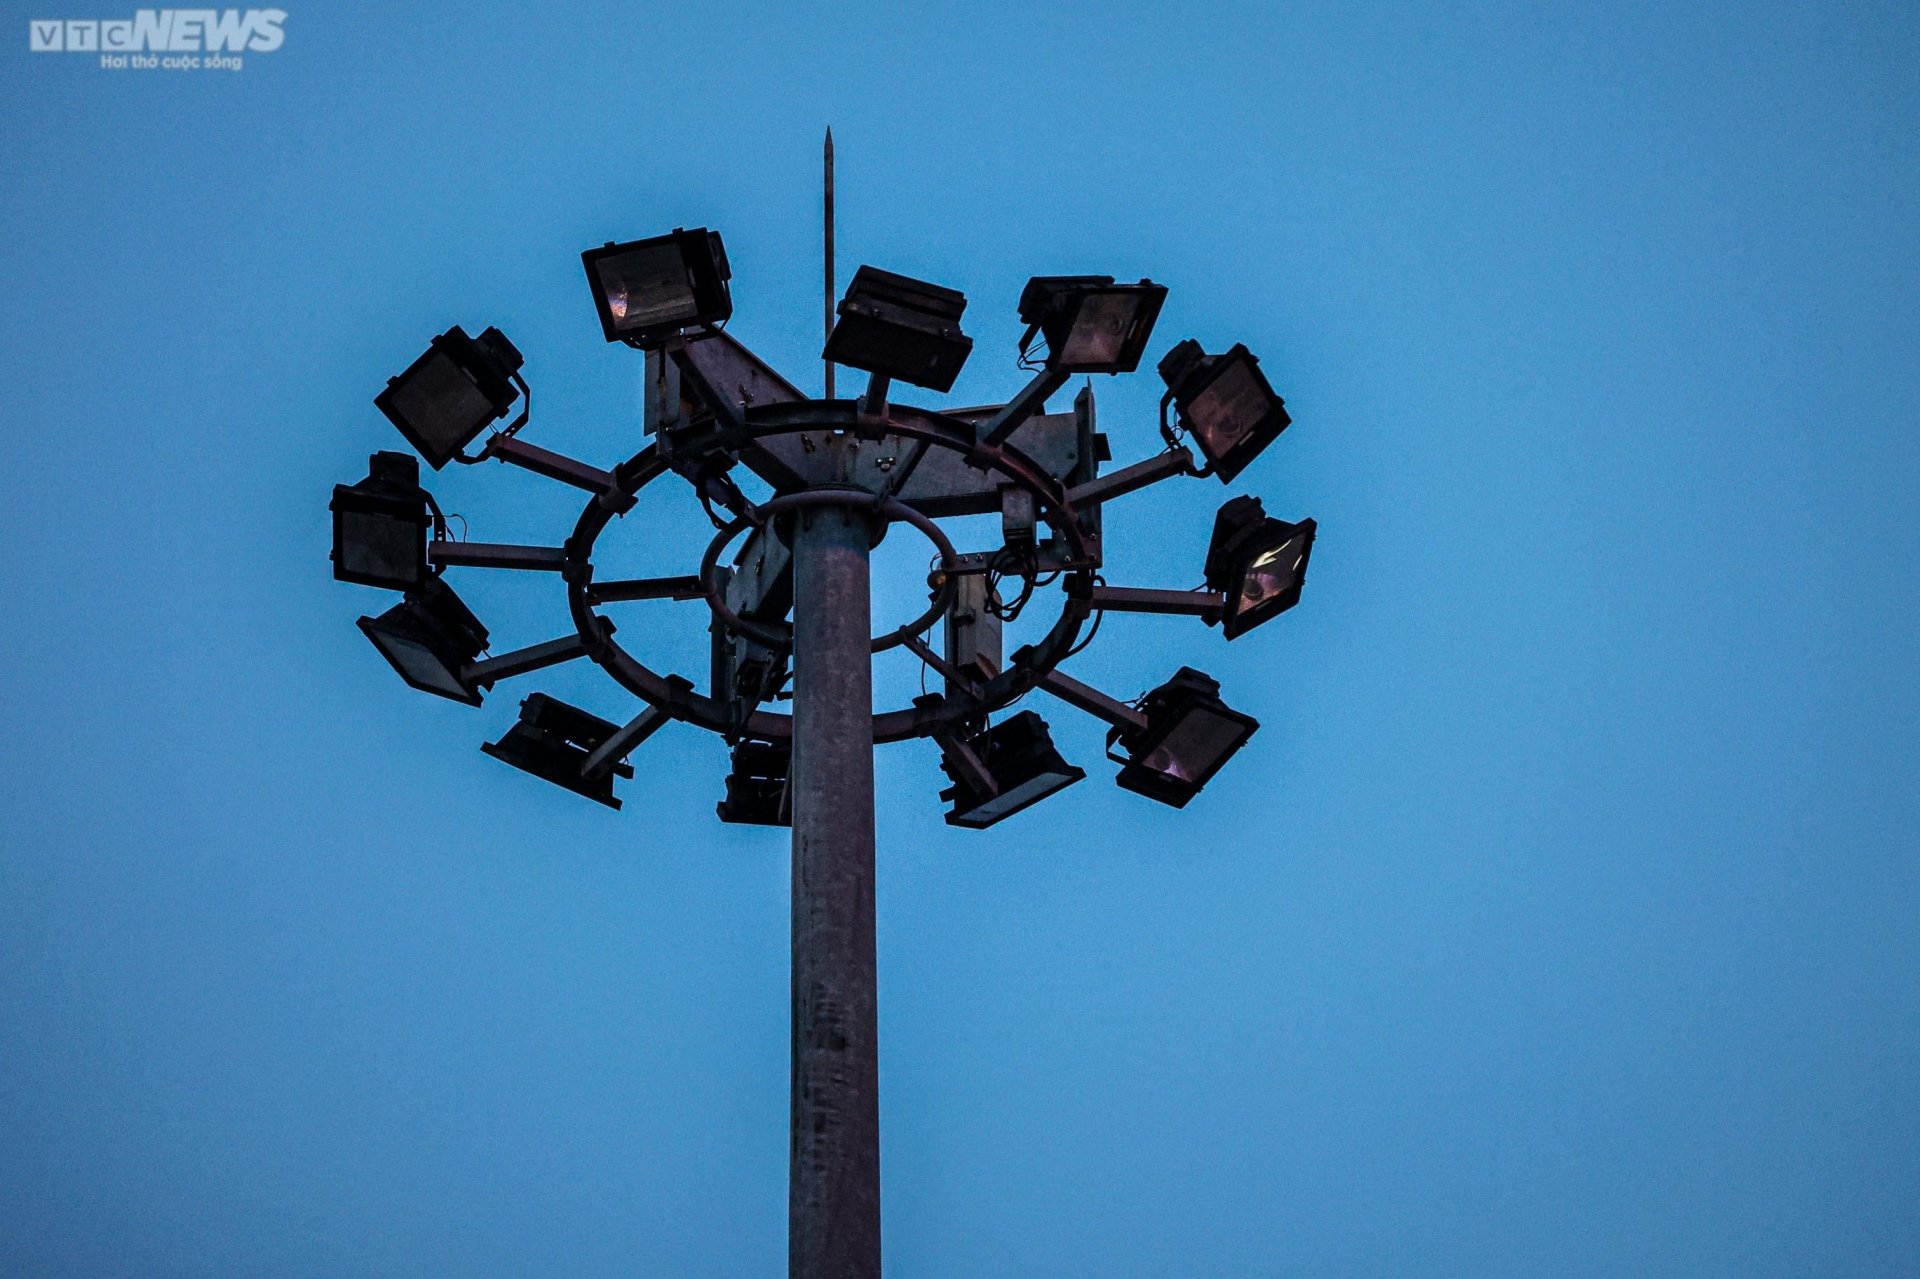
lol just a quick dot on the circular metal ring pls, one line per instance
(676, 696)
(780, 634)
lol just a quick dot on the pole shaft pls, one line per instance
(834, 1177)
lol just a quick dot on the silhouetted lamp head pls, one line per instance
(901, 328)
(380, 525)
(449, 395)
(429, 638)
(757, 785)
(552, 740)
(1019, 755)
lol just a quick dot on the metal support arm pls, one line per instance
(1127, 599)
(695, 379)
(1093, 701)
(966, 766)
(941, 667)
(646, 588)
(1175, 461)
(874, 402)
(547, 559)
(522, 660)
(624, 739)
(555, 466)
(1032, 398)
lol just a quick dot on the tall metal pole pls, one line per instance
(833, 1229)
(829, 211)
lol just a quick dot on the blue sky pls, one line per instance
(1560, 919)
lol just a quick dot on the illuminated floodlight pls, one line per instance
(646, 291)
(1257, 562)
(1189, 734)
(1225, 403)
(1091, 324)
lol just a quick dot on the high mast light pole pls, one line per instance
(800, 490)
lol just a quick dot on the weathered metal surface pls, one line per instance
(555, 466)
(646, 588)
(1175, 461)
(759, 586)
(834, 1177)
(1092, 700)
(523, 660)
(939, 481)
(943, 433)
(1005, 424)
(546, 559)
(973, 632)
(1133, 599)
(607, 755)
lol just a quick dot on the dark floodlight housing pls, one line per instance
(1190, 733)
(430, 637)
(1018, 753)
(552, 740)
(380, 525)
(900, 328)
(450, 394)
(757, 785)
(1257, 562)
(1091, 324)
(648, 290)
(1225, 403)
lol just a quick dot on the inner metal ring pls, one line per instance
(677, 697)
(780, 634)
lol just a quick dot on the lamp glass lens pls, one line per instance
(1273, 572)
(419, 664)
(1015, 798)
(1229, 410)
(647, 287)
(380, 546)
(1195, 746)
(442, 404)
(1100, 328)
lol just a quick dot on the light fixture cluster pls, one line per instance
(668, 293)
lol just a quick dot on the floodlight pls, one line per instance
(553, 740)
(1225, 402)
(1257, 562)
(1189, 734)
(757, 785)
(447, 396)
(1091, 324)
(430, 637)
(648, 290)
(380, 525)
(1018, 755)
(900, 328)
